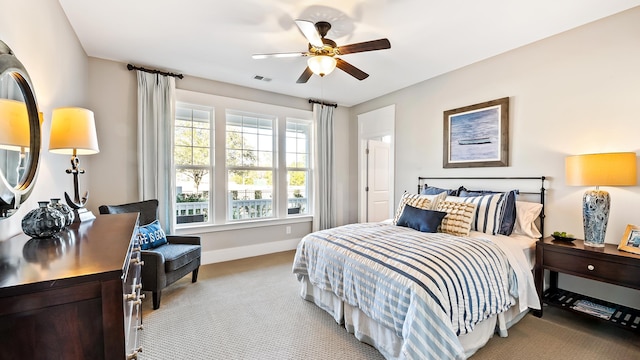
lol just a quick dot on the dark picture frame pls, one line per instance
(631, 240)
(477, 135)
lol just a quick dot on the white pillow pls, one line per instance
(526, 215)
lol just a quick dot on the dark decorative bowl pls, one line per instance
(562, 238)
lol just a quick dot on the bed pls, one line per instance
(418, 288)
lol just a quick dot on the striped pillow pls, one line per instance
(509, 213)
(459, 217)
(489, 211)
(426, 202)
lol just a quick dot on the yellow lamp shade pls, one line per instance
(73, 132)
(609, 169)
(14, 125)
(321, 64)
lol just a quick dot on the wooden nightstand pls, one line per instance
(606, 264)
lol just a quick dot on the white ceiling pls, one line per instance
(214, 39)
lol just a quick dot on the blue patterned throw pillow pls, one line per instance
(151, 236)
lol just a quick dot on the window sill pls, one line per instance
(236, 225)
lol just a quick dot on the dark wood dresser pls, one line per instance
(76, 296)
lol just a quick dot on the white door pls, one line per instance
(378, 180)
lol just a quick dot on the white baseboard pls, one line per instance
(241, 252)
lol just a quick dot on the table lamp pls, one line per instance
(608, 169)
(73, 132)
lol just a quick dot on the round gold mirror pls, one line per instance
(19, 133)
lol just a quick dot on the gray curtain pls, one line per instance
(324, 214)
(156, 98)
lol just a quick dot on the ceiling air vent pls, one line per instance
(259, 77)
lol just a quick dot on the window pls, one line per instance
(193, 163)
(250, 165)
(239, 161)
(298, 160)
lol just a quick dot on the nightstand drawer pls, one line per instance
(598, 269)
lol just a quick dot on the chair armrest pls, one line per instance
(153, 276)
(183, 239)
(152, 259)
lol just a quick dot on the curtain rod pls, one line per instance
(322, 103)
(132, 67)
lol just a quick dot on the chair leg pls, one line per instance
(194, 275)
(156, 299)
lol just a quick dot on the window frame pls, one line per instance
(219, 187)
(210, 167)
(258, 167)
(308, 168)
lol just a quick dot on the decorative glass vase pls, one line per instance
(65, 209)
(43, 222)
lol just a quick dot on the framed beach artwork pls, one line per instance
(631, 240)
(477, 135)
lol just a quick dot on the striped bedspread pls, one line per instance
(428, 288)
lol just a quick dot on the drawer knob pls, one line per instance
(134, 354)
(591, 267)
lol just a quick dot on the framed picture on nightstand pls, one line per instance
(631, 240)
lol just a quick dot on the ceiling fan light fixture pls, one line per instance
(321, 64)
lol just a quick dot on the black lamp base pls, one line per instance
(82, 215)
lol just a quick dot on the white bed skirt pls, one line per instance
(384, 339)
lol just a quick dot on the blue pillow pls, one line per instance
(508, 211)
(432, 190)
(151, 236)
(421, 219)
(509, 216)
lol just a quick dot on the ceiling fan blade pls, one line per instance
(309, 31)
(305, 76)
(351, 70)
(379, 44)
(279, 55)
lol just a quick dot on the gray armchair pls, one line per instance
(167, 263)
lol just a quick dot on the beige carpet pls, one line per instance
(250, 309)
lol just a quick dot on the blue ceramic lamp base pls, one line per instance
(595, 216)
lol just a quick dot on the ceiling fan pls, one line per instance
(322, 52)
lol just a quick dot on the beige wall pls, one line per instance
(577, 92)
(42, 39)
